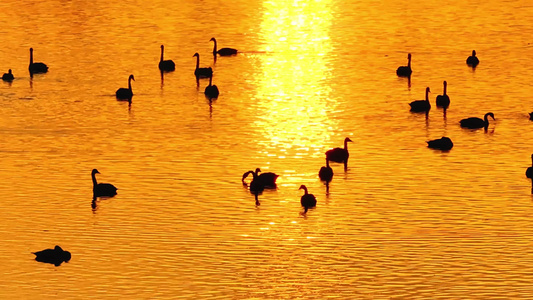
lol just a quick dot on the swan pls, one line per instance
(339, 155)
(444, 143)
(326, 173)
(529, 171)
(8, 76)
(124, 93)
(102, 189)
(472, 60)
(37, 67)
(308, 200)
(256, 186)
(405, 70)
(267, 179)
(421, 105)
(166, 65)
(443, 100)
(223, 51)
(52, 256)
(211, 91)
(201, 72)
(474, 122)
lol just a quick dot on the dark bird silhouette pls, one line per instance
(529, 171)
(531, 116)
(472, 60)
(444, 143)
(223, 51)
(126, 93)
(256, 185)
(339, 155)
(102, 189)
(8, 76)
(54, 256)
(267, 179)
(166, 65)
(308, 200)
(443, 100)
(201, 72)
(211, 91)
(474, 123)
(326, 173)
(421, 105)
(37, 67)
(405, 71)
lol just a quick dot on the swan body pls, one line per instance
(166, 65)
(326, 173)
(256, 185)
(531, 116)
(211, 91)
(308, 200)
(472, 60)
(339, 155)
(37, 67)
(102, 189)
(421, 105)
(443, 100)
(223, 51)
(262, 180)
(8, 76)
(405, 71)
(201, 72)
(126, 93)
(52, 256)
(529, 171)
(474, 123)
(444, 143)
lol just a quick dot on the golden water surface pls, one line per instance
(403, 222)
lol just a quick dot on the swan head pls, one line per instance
(427, 90)
(445, 83)
(490, 114)
(196, 54)
(303, 187)
(213, 39)
(473, 52)
(131, 77)
(257, 170)
(409, 56)
(95, 172)
(162, 46)
(31, 50)
(347, 140)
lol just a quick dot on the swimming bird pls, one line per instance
(339, 155)
(52, 256)
(421, 105)
(201, 72)
(444, 143)
(474, 122)
(37, 67)
(472, 60)
(223, 51)
(8, 76)
(102, 189)
(126, 93)
(166, 65)
(211, 91)
(443, 100)
(326, 173)
(267, 179)
(405, 71)
(308, 200)
(256, 185)
(529, 171)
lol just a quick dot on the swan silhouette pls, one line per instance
(37, 67)
(126, 93)
(267, 179)
(421, 105)
(444, 143)
(405, 71)
(529, 171)
(443, 100)
(339, 155)
(166, 65)
(54, 256)
(8, 76)
(474, 123)
(102, 189)
(211, 91)
(308, 200)
(531, 116)
(326, 173)
(472, 60)
(201, 72)
(223, 51)
(256, 185)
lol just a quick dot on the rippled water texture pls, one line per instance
(403, 222)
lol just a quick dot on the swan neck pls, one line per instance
(93, 175)
(197, 61)
(444, 93)
(31, 57)
(427, 95)
(305, 190)
(409, 62)
(214, 47)
(345, 145)
(161, 54)
(327, 163)
(129, 83)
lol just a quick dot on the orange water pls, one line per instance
(403, 221)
